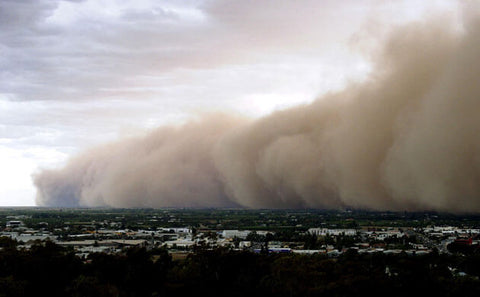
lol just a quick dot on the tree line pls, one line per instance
(47, 269)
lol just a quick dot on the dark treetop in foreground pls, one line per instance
(49, 270)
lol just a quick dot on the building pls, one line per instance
(235, 233)
(336, 232)
(14, 224)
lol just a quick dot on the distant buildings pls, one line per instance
(86, 237)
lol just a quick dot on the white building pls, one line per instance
(336, 232)
(177, 230)
(181, 243)
(14, 224)
(235, 233)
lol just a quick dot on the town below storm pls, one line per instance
(182, 232)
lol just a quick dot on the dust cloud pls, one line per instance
(408, 138)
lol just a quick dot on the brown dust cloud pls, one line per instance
(406, 138)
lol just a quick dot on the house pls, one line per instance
(14, 224)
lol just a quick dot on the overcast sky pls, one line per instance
(78, 73)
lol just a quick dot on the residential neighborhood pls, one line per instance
(108, 236)
(186, 252)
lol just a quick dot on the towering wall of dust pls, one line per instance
(172, 166)
(407, 139)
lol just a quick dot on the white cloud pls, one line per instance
(15, 172)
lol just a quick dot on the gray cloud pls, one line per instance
(406, 139)
(74, 51)
(73, 67)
